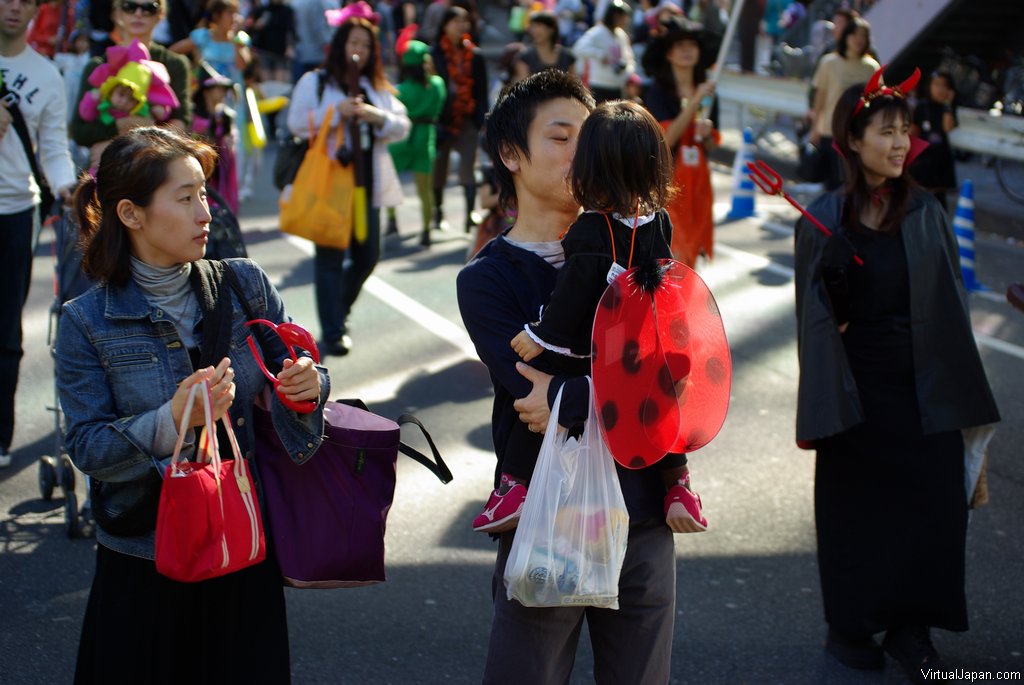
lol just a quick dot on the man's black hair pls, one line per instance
(509, 120)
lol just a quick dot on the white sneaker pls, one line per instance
(5, 458)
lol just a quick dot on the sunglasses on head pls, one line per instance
(149, 9)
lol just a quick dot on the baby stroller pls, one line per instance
(225, 238)
(68, 282)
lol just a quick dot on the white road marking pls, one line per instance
(424, 316)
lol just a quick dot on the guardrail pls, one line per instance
(979, 131)
(999, 136)
(783, 95)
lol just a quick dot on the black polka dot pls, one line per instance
(637, 463)
(649, 412)
(665, 382)
(679, 331)
(678, 364)
(631, 356)
(609, 415)
(715, 370)
(612, 298)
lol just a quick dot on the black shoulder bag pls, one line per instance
(293, 151)
(18, 119)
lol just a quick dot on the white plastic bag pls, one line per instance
(571, 539)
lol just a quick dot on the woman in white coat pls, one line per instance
(604, 54)
(382, 119)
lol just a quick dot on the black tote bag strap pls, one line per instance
(437, 466)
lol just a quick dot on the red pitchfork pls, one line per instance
(768, 180)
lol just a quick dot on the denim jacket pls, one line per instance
(119, 362)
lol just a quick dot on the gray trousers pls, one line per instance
(632, 645)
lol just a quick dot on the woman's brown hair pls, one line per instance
(854, 25)
(849, 125)
(622, 162)
(132, 167)
(336, 63)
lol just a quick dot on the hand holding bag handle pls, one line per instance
(435, 466)
(198, 538)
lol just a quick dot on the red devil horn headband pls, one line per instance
(876, 88)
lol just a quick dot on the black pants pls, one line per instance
(143, 628)
(15, 276)
(338, 282)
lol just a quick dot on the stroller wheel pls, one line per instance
(71, 514)
(47, 477)
(67, 474)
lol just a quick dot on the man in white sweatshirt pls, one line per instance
(33, 86)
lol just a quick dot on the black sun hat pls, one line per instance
(673, 30)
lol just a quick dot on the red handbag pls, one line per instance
(208, 523)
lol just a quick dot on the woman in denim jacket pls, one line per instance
(129, 349)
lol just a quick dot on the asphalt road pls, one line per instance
(749, 607)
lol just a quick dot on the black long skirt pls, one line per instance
(143, 628)
(891, 516)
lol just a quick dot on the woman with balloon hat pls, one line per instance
(677, 61)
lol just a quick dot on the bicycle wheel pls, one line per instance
(1010, 174)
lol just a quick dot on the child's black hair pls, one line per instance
(622, 162)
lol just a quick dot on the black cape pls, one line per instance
(952, 389)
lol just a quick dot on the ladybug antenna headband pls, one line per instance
(876, 88)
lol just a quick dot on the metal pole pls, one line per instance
(730, 30)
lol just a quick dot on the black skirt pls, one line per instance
(892, 526)
(143, 628)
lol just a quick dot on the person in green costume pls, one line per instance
(423, 93)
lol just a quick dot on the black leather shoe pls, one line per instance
(338, 348)
(912, 648)
(863, 654)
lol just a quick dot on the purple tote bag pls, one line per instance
(327, 516)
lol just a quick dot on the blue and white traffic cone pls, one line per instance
(742, 186)
(963, 226)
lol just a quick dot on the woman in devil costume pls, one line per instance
(889, 376)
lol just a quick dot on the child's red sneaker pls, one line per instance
(683, 509)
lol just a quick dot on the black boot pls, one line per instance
(472, 218)
(439, 222)
(392, 228)
(912, 648)
(425, 238)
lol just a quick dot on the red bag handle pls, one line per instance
(292, 335)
